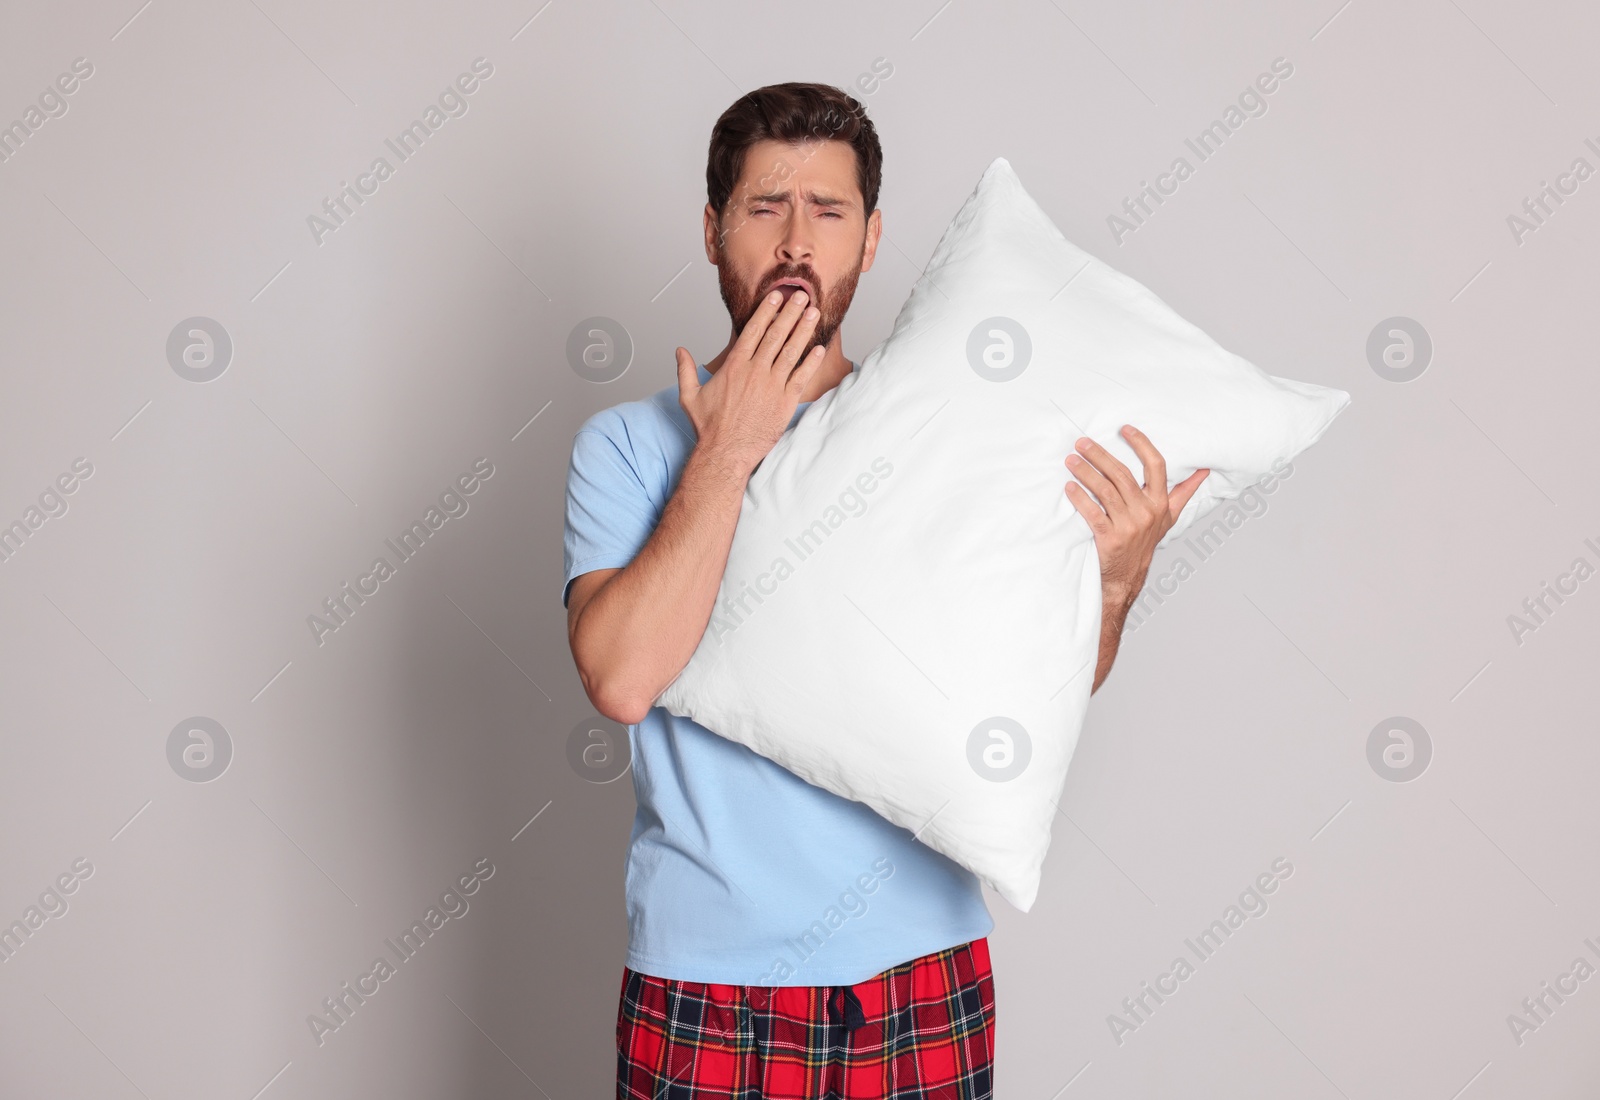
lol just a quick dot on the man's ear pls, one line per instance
(874, 232)
(713, 232)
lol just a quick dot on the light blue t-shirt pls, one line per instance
(739, 871)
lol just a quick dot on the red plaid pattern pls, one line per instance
(922, 1030)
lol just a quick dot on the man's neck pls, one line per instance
(834, 367)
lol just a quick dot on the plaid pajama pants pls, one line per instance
(922, 1030)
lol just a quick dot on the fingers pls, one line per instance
(756, 327)
(802, 374)
(1096, 482)
(778, 332)
(1106, 464)
(798, 339)
(1182, 491)
(1155, 467)
(688, 376)
(1087, 508)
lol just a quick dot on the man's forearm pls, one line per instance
(1115, 603)
(640, 629)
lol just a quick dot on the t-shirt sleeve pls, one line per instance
(609, 511)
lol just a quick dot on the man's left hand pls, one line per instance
(1127, 519)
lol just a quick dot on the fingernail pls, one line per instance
(774, 296)
(811, 311)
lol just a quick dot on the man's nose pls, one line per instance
(796, 246)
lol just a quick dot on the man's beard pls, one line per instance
(743, 300)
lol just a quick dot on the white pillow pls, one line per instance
(910, 614)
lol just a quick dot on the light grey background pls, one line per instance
(370, 772)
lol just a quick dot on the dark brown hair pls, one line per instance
(792, 113)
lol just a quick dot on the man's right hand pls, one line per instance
(746, 406)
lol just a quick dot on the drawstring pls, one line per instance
(850, 1009)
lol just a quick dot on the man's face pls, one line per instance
(795, 213)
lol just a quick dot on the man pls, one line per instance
(783, 942)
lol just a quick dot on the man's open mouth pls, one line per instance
(789, 286)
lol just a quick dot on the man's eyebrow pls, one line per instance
(811, 197)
